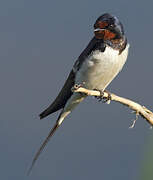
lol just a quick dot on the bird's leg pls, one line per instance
(109, 97)
(101, 97)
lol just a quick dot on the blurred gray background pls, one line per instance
(39, 43)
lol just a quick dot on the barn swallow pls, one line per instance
(95, 68)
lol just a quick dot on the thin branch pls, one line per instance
(139, 109)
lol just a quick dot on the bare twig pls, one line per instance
(139, 109)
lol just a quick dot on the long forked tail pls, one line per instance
(74, 101)
(51, 133)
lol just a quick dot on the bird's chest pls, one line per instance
(100, 68)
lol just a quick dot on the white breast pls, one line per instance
(100, 68)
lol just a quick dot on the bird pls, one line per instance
(95, 68)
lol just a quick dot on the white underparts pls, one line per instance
(100, 68)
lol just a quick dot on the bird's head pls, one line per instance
(108, 27)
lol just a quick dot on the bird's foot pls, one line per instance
(109, 97)
(102, 98)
